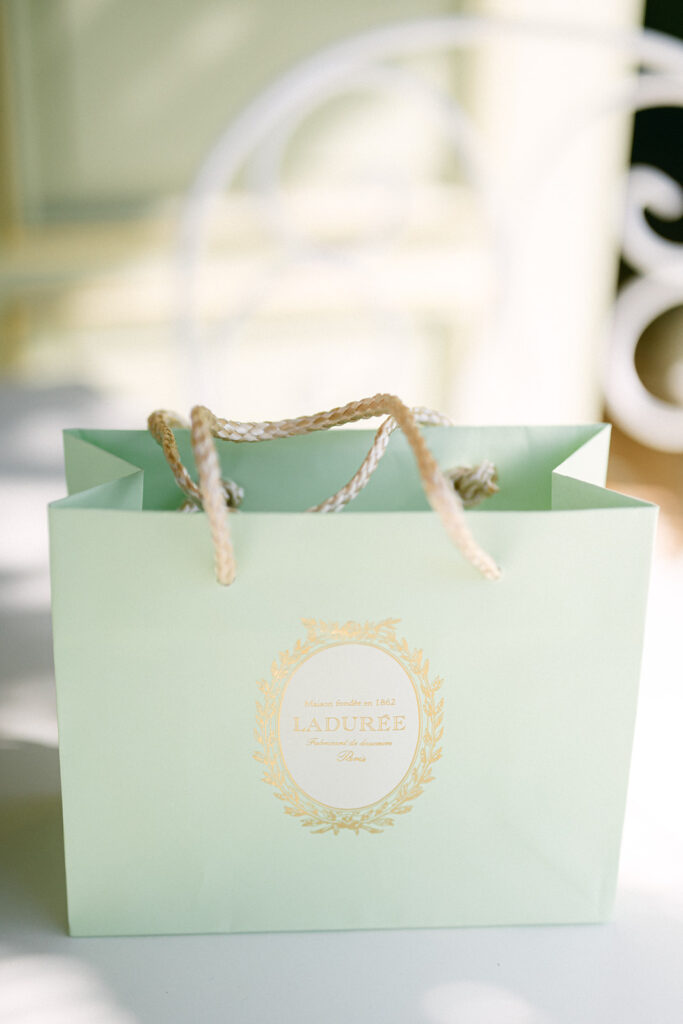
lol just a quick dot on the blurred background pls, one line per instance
(299, 203)
(276, 208)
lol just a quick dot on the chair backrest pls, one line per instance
(531, 341)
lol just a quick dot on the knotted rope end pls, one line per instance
(474, 483)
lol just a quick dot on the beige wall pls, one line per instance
(118, 100)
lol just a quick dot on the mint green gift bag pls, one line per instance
(354, 726)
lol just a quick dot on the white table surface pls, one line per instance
(627, 971)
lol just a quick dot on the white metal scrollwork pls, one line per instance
(658, 289)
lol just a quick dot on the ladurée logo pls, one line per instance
(349, 726)
(352, 723)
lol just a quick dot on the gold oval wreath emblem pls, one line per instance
(312, 813)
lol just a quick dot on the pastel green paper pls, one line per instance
(168, 824)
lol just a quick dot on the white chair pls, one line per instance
(520, 360)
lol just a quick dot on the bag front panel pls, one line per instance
(169, 824)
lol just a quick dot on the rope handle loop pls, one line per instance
(215, 495)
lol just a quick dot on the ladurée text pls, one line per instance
(351, 723)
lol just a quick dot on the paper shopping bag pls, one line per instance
(361, 731)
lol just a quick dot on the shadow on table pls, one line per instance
(32, 878)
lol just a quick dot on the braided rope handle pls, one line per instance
(212, 492)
